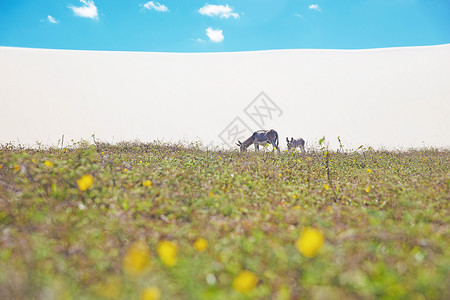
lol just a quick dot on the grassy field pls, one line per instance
(154, 221)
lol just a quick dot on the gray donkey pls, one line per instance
(261, 137)
(297, 143)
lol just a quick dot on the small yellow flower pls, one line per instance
(326, 187)
(48, 163)
(85, 182)
(279, 174)
(167, 251)
(369, 171)
(297, 207)
(310, 241)
(151, 293)
(367, 189)
(200, 244)
(147, 183)
(125, 170)
(16, 167)
(245, 282)
(137, 258)
(33, 160)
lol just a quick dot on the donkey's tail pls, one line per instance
(276, 137)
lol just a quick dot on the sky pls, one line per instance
(222, 26)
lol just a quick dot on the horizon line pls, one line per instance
(218, 52)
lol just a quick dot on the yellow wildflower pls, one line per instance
(16, 167)
(279, 174)
(85, 182)
(125, 170)
(167, 251)
(369, 171)
(137, 258)
(147, 183)
(367, 189)
(151, 293)
(48, 163)
(200, 244)
(297, 207)
(310, 241)
(326, 187)
(245, 282)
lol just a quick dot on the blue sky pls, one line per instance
(211, 26)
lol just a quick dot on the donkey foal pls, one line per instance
(296, 143)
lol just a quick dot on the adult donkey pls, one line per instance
(261, 137)
(296, 143)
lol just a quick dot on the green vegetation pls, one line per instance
(222, 224)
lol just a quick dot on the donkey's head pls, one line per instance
(290, 143)
(241, 146)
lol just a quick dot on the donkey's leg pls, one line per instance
(274, 146)
(278, 149)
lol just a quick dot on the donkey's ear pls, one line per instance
(292, 139)
(287, 139)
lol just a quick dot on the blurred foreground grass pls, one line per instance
(154, 221)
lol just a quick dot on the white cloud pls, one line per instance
(87, 10)
(224, 11)
(52, 20)
(215, 35)
(156, 6)
(298, 15)
(315, 7)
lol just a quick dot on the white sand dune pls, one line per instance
(392, 98)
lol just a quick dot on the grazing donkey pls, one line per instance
(297, 143)
(261, 137)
